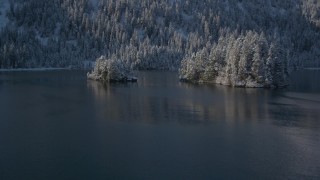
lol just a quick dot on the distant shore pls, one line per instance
(33, 69)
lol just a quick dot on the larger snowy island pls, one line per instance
(247, 60)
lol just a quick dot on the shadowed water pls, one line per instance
(58, 125)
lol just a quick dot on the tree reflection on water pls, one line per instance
(159, 97)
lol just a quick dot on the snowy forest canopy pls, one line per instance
(161, 34)
(242, 60)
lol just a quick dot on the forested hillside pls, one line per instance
(149, 34)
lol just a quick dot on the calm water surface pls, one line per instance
(58, 125)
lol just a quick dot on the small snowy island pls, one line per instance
(111, 70)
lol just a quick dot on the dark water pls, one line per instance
(58, 125)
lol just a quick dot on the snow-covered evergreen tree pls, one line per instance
(110, 70)
(231, 62)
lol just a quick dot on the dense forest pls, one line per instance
(218, 38)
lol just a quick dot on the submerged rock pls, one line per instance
(111, 70)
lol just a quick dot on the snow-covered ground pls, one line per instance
(4, 6)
